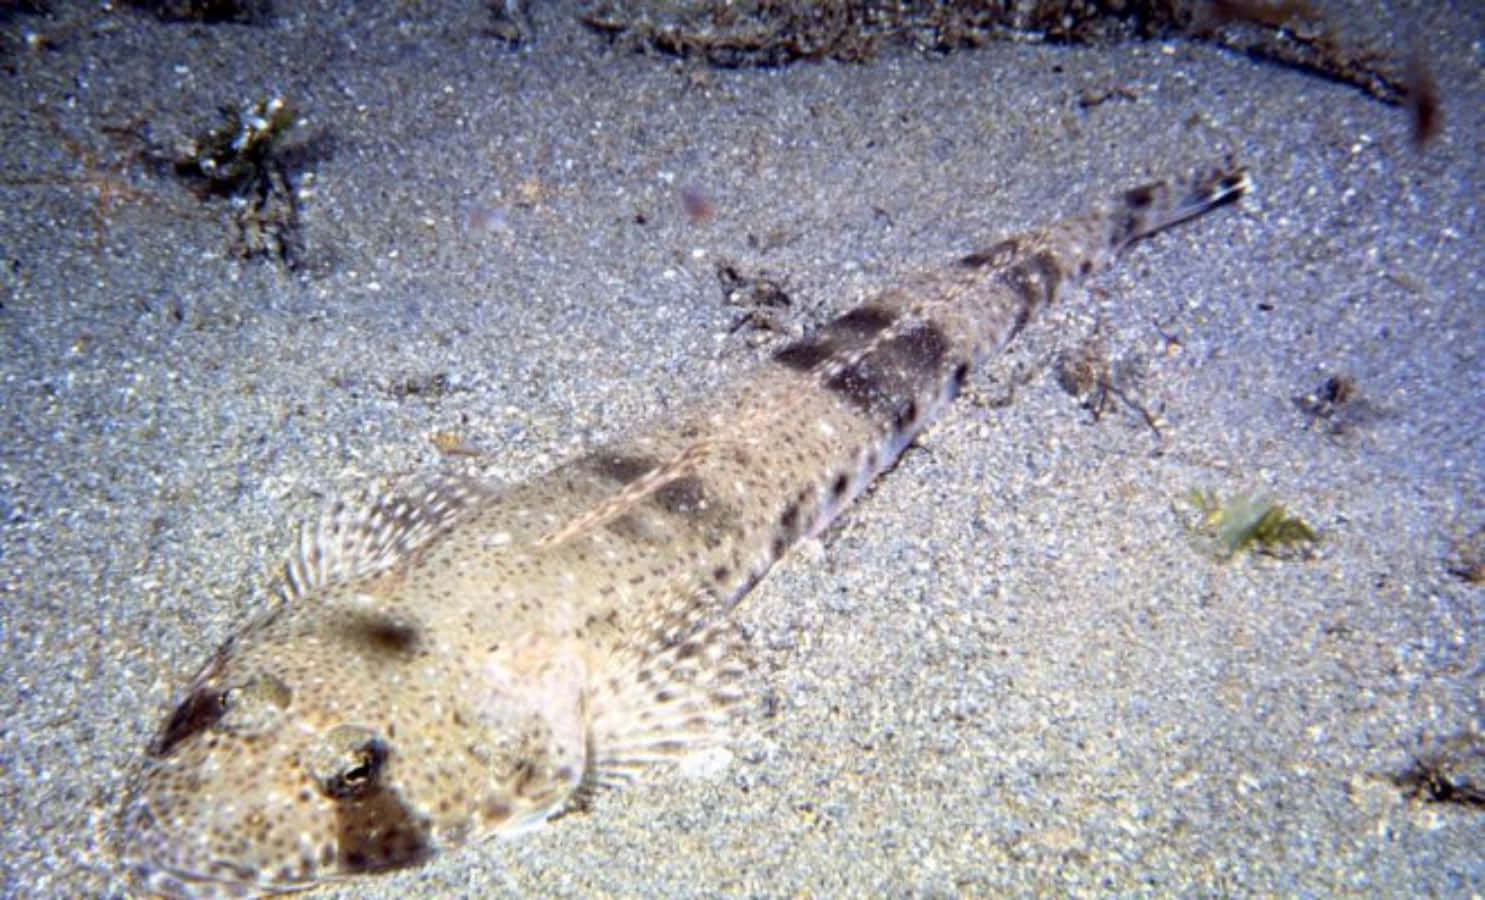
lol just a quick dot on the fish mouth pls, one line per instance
(155, 880)
(154, 871)
(157, 860)
(212, 850)
(160, 875)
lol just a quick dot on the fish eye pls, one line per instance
(348, 761)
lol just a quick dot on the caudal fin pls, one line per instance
(1147, 209)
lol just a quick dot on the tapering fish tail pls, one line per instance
(1144, 210)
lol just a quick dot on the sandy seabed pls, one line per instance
(1009, 670)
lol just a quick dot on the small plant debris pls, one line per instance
(1086, 374)
(1248, 522)
(429, 387)
(236, 156)
(1082, 372)
(1466, 559)
(1449, 770)
(760, 296)
(1088, 99)
(246, 159)
(450, 443)
(697, 205)
(508, 22)
(1422, 101)
(1336, 404)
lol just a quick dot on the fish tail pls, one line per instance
(1144, 210)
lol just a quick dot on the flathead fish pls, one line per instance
(444, 663)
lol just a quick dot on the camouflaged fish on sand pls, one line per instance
(445, 663)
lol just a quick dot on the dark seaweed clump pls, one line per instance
(210, 12)
(249, 160)
(733, 33)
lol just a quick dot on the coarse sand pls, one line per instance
(1011, 669)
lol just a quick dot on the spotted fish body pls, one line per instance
(445, 663)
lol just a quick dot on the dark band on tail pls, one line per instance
(1151, 207)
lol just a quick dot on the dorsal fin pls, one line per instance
(363, 538)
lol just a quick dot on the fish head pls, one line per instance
(340, 738)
